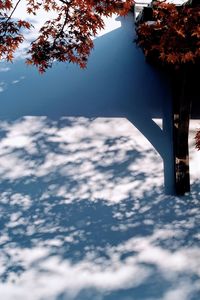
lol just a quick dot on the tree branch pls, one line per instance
(14, 9)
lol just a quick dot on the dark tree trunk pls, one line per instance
(181, 117)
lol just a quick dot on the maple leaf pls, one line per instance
(196, 32)
(188, 57)
(171, 58)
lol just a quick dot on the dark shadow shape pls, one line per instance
(117, 83)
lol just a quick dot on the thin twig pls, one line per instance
(13, 11)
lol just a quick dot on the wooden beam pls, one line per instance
(181, 117)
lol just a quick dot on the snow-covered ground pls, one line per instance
(85, 168)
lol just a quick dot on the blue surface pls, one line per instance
(117, 83)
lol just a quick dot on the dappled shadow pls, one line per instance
(74, 225)
(116, 83)
(83, 210)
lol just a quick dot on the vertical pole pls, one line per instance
(181, 117)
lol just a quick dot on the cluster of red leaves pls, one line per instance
(197, 140)
(10, 30)
(173, 34)
(67, 37)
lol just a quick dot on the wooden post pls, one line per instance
(181, 117)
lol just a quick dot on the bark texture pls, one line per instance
(181, 117)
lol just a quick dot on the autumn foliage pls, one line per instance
(171, 38)
(67, 37)
(173, 35)
(197, 138)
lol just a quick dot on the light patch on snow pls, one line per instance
(87, 211)
(4, 69)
